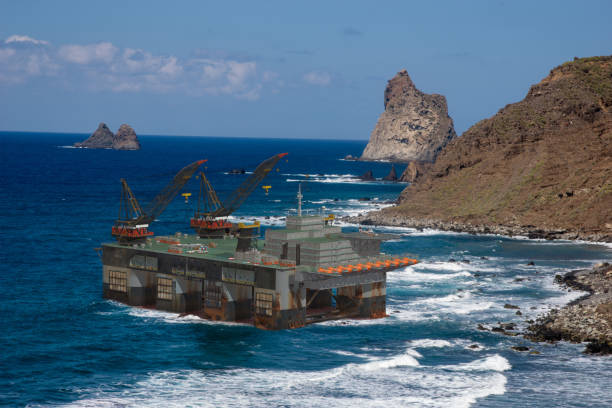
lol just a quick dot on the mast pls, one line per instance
(299, 197)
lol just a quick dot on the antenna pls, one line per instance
(299, 197)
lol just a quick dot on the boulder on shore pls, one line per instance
(587, 319)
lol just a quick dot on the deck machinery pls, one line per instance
(307, 272)
(210, 219)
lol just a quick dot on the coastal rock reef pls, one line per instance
(103, 138)
(588, 319)
(541, 167)
(415, 126)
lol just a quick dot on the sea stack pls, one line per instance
(368, 176)
(392, 176)
(126, 139)
(413, 171)
(415, 126)
(103, 138)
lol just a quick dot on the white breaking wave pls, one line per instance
(491, 363)
(329, 178)
(410, 275)
(380, 382)
(170, 317)
(408, 359)
(430, 343)
(456, 303)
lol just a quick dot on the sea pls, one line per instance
(61, 344)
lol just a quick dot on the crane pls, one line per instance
(209, 220)
(133, 222)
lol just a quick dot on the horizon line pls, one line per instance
(201, 136)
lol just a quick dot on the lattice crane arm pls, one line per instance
(161, 201)
(237, 198)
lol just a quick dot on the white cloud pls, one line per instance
(23, 57)
(6, 53)
(139, 61)
(229, 77)
(24, 39)
(268, 76)
(106, 67)
(320, 78)
(240, 72)
(85, 54)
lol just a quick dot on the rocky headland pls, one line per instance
(541, 167)
(414, 125)
(588, 319)
(103, 138)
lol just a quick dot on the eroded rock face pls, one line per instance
(102, 138)
(126, 139)
(414, 125)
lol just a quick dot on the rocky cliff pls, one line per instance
(541, 167)
(103, 138)
(414, 125)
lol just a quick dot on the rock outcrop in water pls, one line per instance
(413, 171)
(414, 125)
(103, 138)
(367, 176)
(541, 167)
(588, 319)
(126, 139)
(392, 176)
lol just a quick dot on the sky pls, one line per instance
(282, 69)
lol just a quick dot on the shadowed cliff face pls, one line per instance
(414, 125)
(545, 161)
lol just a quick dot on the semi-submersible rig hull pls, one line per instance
(307, 272)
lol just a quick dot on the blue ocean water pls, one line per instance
(62, 344)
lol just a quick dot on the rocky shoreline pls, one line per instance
(389, 218)
(587, 319)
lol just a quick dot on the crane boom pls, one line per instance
(133, 221)
(161, 201)
(239, 195)
(208, 220)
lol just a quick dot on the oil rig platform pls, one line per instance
(307, 272)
